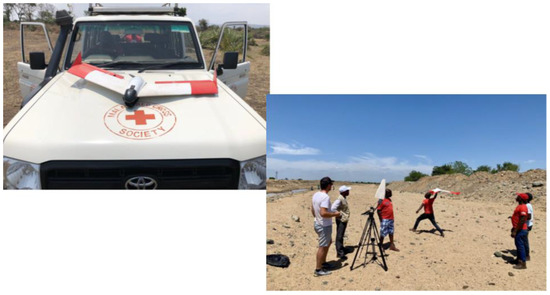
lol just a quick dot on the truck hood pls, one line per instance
(71, 119)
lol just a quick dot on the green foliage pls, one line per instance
(265, 50)
(461, 167)
(203, 25)
(181, 11)
(483, 168)
(259, 33)
(232, 39)
(209, 38)
(271, 177)
(441, 170)
(8, 9)
(507, 166)
(414, 176)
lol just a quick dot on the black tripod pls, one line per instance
(369, 237)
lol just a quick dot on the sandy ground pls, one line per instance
(462, 260)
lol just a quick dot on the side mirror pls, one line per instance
(38, 60)
(230, 61)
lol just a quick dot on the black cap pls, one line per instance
(326, 180)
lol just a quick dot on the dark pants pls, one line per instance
(340, 231)
(427, 216)
(527, 241)
(521, 244)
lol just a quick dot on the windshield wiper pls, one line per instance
(166, 65)
(119, 63)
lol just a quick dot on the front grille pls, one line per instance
(169, 174)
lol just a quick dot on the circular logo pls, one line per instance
(141, 182)
(143, 121)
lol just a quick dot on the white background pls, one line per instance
(214, 241)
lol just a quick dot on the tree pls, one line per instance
(414, 176)
(507, 166)
(46, 12)
(70, 9)
(461, 167)
(28, 11)
(483, 168)
(440, 170)
(8, 9)
(180, 11)
(203, 25)
(23, 11)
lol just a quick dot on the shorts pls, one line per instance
(386, 227)
(324, 233)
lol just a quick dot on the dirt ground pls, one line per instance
(258, 86)
(475, 229)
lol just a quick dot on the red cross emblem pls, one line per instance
(140, 117)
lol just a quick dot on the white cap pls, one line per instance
(344, 188)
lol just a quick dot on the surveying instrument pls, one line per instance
(370, 237)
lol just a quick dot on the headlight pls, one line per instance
(253, 174)
(21, 175)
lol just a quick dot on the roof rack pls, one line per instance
(98, 9)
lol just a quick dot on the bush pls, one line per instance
(484, 168)
(507, 166)
(265, 50)
(461, 167)
(414, 176)
(440, 170)
(260, 33)
(232, 39)
(209, 38)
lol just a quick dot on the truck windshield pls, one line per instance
(133, 45)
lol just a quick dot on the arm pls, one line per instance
(421, 205)
(325, 213)
(435, 196)
(522, 220)
(335, 205)
(312, 211)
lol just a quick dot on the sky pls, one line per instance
(254, 14)
(374, 137)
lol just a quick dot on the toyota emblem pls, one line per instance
(141, 182)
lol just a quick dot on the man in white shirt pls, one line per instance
(529, 224)
(321, 210)
(341, 205)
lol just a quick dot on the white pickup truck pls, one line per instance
(127, 101)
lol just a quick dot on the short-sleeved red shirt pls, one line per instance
(521, 210)
(386, 209)
(428, 205)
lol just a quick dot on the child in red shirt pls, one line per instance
(385, 213)
(427, 203)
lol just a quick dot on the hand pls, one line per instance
(416, 211)
(513, 234)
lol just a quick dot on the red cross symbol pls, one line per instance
(140, 117)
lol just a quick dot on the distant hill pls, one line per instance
(481, 185)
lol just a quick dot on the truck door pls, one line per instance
(236, 79)
(32, 40)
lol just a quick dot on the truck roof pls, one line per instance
(132, 17)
